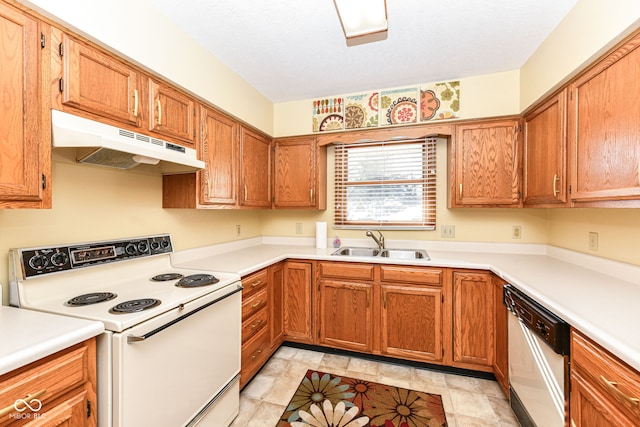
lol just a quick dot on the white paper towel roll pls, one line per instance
(321, 235)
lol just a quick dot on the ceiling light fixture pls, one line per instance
(363, 21)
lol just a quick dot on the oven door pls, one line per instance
(536, 377)
(173, 368)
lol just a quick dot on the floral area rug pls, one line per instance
(327, 400)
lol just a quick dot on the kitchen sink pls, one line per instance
(357, 252)
(385, 253)
(405, 254)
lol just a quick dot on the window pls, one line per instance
(389, 185)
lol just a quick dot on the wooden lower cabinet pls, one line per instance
(473, 320)
(63, 383)
(411, 322)
(297, 301)
(256, 343)
(345, 315)
(604, 391)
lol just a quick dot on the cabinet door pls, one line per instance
(23, 134)
(219, 151)
(589, 407)
(473, 338)
(297, 301)
(97, 83)
(411, 322)
(545, 148)
(173, 113)
(299, 174)
(486, 163)
(345, 315)
(276, 304)
(604, 128)
(255, 170)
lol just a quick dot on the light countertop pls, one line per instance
(28, 335)
(597, 296)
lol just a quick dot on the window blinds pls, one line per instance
(389, 185)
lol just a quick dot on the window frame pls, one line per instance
(428, 181)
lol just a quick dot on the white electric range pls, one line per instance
(170, 355)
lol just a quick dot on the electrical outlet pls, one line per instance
(448, 231)
(593, 241)
(237, 229)
(516, 232)
(298, 228)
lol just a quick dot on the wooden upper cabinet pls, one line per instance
(545, 153)
(255, 169)
(173, 114)
(485, 161)
(299, 173)
(473, 320)
(25, 139)
(219, 150)
(604, 129)
(97, 83)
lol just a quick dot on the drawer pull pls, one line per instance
(556, 178)
(258, 304)
(135, 103)
(256, 283)
(612, 386)
(256, 354)
(255, 325)
(21, 405)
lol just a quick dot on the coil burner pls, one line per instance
(134, 306)
(166, 277)
(92, 298)
(196, 280)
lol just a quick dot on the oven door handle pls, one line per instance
(134, 338)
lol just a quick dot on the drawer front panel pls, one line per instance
(253, 304)
(346, 270)
(254, 283)
(254, 324)
(406, 274)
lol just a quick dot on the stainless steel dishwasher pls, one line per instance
(538, 361)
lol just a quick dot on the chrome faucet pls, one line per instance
(379, 240)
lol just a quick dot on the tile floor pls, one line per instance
(468, 402)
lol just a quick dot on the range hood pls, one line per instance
(105, 145)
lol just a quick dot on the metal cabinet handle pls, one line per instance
(460, 191)
(206, 188)
(612, 386)
(257, 304)
(26, 401)
(311, 195)
(159, 112)
(135, 103)
(556, 178)
(256, 283)
(246, 191)
(255, 325)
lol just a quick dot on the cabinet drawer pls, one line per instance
(45, 380)
(618, 382)
(254, 353)
(254, 282)
(254, 324)
(253, 304)
(405, 274)
(347, 270)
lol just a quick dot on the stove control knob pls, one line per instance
(130, 249)
(59, 259)
(155, 245)
(165, 244)
(38, 262)
(143, 247)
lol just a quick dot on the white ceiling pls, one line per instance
(295, 49)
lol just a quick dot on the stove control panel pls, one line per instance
(38, 261)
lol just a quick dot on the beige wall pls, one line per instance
(480, 96)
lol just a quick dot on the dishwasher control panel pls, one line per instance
(551, 328)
